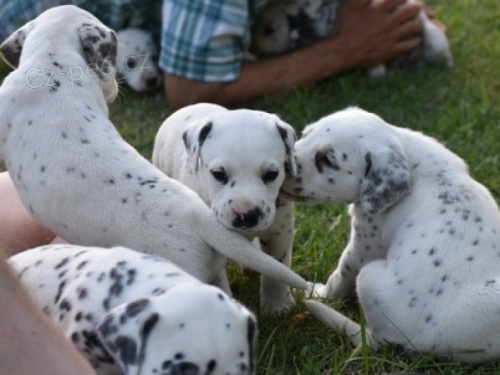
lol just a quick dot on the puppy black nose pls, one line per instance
(152, 82)
(248, 219)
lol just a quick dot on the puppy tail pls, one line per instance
(236, 247)
(333, 319)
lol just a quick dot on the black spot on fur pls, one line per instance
(204, 133)
(136, 307)
(127, 348)
(65, 305)
(60, 290)
(62, 263)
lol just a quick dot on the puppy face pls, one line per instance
(350, 157)
(136, 60)
(193, 329)
(243, 156)
(84, 34)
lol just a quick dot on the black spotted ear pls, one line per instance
(325, 159)
(288, 136)
(12, 47)
(387, 179)
(99, 46)
(124, 332)
(194, 137)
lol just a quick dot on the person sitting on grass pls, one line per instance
(203, 44)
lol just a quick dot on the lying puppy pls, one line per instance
(126, 311)
(282, 27)
(236, 160)
(75, 173)
(424, 250)
(136, 59)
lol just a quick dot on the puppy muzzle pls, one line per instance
(248, 219)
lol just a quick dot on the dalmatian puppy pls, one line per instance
(77, 176)
(207, 147)
(284, 26)
(424, 249)
(136, 59)
(132, 313)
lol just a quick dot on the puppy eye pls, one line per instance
(270, 176)
(131, 63)
(220, 175)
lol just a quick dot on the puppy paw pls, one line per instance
(277, 307)
(316, 290)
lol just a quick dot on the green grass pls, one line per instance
(460, 107)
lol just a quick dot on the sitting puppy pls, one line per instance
(131, 313)
(78, 177)
(424, 250)
(236, 160)
(136, 59)
(282, 27)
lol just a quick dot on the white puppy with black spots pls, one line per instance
(136, 59)
(132, 313)
(236, 160)
(424, 249)
(77, 176)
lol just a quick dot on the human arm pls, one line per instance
(29, 342)
(365, 34)
(18, 230)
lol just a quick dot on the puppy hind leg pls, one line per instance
(381, 298)
(471, 323)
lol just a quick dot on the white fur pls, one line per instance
(131, 313)
(136, 59)
(76, 175)
(236, 160)
(424, 249)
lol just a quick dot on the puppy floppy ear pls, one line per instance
(387, 179)
(12, 47)
(124, 332)
(194, 137)
(99, 48)
(288, 136)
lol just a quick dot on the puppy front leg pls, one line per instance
(342, 280)
(364, 246)
(276, 297)
(222, 282)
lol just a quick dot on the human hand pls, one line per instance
(375, 31)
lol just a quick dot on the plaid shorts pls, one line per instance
(206, 40)
(116, 14)
(200, 39)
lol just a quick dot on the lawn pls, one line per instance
(460, 107)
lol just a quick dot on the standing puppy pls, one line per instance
(236, 160)
(131, 313)
(77, 176)
(424, 250)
